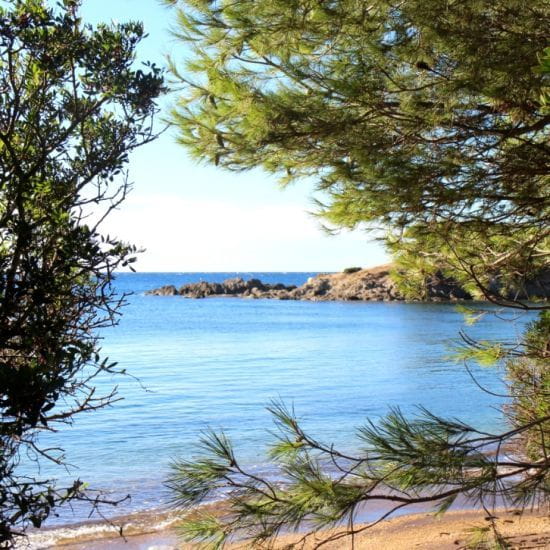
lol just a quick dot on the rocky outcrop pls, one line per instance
(538, 287)
(253, 288)
(364, 285)
(167, 290)
(354, 284)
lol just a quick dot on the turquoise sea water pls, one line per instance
(217, 362)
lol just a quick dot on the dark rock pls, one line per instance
(200, 290)
(364, 284)
(168, 290)
(255, 283)
(280, 286)
(539, 287)
(234, 286)
(444, 288)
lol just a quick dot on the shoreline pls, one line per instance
(353, 284)
(376, 284)
(98, 531)
(420, 530)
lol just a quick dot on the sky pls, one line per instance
(195, 217)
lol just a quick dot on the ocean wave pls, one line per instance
(124, 526)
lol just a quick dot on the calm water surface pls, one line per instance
(217, 362)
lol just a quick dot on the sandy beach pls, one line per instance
(421, 531)
(425, 532)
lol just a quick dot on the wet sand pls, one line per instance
(421, 531)
(426, 532)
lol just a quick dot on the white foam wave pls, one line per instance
(130, 526)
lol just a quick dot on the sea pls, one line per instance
(216, 363)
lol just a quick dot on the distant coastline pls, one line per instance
(353, 284)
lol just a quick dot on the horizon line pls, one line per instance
(137, 272)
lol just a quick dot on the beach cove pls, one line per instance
(217, 363)
(421, 531)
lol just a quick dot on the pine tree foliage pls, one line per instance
(428, 119)
(422, 117)
(72, 108)
(400, 462)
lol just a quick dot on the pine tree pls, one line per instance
(428, 118)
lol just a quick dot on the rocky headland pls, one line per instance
(353, 284)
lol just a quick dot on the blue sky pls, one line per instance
(194, 217)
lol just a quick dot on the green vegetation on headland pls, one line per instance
(374, 284)
(429, 120)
